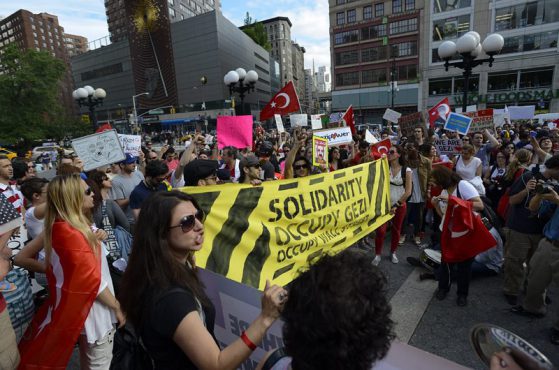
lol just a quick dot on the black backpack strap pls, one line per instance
(274, 357)
(458, 189)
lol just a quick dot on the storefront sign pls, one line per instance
(509, 96)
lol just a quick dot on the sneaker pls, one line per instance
(519, 310)
(402, 240)
(462, 301)
(376, 260)
(393, 258)
(417, 240)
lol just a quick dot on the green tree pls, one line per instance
(257, 32)
(29, 93)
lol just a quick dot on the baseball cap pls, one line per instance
(266, 148)
(199, 169)
(129, 159)
(248, 161)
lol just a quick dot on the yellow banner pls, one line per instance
(254, 233)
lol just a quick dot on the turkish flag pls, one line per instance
(380, 148)
(464, 234)
(104, 127)
(285, 101)
(348, 119)
(73, 281)
(439, 113)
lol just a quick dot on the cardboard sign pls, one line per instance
(99, 149)
(336, 136)
(458, 123)
(235, 131)
(522, 112)
(370, 138)
(298, 120)
(316, 121)
(279, 123)
(409, 122)
(131, 144)
(391, 115)
(481, 120)
(319, 151)
(448, 146)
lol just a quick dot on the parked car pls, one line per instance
(38, 150)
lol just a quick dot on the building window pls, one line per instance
(346, 79)
(373, 76)
(538, 41)
(407, 72)
(536, 79)
(347, 57)
(367, 12)
(397, 6)
(473, 84)
(440, 86)
(526, 15)
(346, 37)
(340, 18)
(404, 49)
(410, 4)
(379, 9)
(351, 16)
(373, 32)
(451, 28)
(373, 54)
(340, 2)
(501, 81)
(404, 26)
(440, 6)
(172, 12)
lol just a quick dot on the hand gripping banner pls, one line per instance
(254, 233)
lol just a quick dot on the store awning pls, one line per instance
(176, 121)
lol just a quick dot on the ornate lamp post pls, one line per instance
(469, 47)
(89, 97)
(241, 82)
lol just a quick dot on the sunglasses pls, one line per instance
(88, 191)
(256, 165)
(299, 167)
(187, 222)
(392, 152)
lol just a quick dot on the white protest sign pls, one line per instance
(469, 108)
(522, 112)
(391, 115)
(299, 120)
(209, 139)
(316, 121)
(448, 146)
(336, 136)
(99, 149)
(370, 138)
(279, 123)
(131, 144)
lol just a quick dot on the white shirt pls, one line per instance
(467, 172)
(467, 192)
(33, 224)
(397, 186)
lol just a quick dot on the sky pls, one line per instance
(309, 19)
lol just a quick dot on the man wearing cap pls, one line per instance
(250, 170)
(156, 173)
(123, 185)
(265, 152)
(201, 172)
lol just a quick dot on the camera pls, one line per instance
(545, 188)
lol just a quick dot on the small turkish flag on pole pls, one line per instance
(380, 148)
(348, 119)
(285, 101)
(439, 113)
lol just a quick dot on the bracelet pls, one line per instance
(247, 341)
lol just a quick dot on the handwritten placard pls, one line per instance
(409, 122)
(391, 115)
(131, 144)
(279, 123)
(99, 149)
(448, 146)
(316, 121)
(298, 120)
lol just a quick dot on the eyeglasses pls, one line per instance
(187, 222)
(392, 151)
(256, 165)
(299, 167)
(88, 191)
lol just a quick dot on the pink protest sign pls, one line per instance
(235, 131)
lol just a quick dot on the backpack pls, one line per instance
(274, 357)
(129, 351)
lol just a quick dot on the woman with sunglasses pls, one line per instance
(164, 299)
(400, 191)
(81, 306)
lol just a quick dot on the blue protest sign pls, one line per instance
(459, 123)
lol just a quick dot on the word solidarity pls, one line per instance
(271, 231)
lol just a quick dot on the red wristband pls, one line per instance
(247, 341)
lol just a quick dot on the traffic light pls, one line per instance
(85, 118)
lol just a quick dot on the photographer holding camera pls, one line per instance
(544, 264)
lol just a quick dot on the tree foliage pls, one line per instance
(29, 94)
(257, 32)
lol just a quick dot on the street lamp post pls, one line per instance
(241, 82)
(469, 47)
(134, 108)
(89, 97)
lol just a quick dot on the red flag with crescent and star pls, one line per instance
(348, 119)
(439, 113)
(380, 148)
(284, 102)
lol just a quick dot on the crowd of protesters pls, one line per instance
(128, 216)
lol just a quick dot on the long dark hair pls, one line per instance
(151, 267)
(444, 177)
(402, 159)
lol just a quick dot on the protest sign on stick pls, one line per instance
(235, 131)
(279, 123)
(298, 120)
(481, 120)
(319, 151)
(131, 144)
(458, 123)
(448, 146)
(336, 136)
(316, 121)
(391, 115)
(99, 149)
(409, 122)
